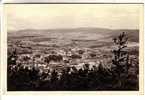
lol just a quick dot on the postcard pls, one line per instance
(73, 48)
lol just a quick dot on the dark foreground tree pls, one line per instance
(120, 62)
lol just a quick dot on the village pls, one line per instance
(50, 58)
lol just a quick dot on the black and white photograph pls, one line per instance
(73, 47)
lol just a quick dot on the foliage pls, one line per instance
(119, 77)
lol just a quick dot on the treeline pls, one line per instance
(122, 75)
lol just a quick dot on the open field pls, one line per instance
(95, 41)
(78, 49)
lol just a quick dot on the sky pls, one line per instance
(53, 16)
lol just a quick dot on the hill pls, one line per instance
(83, 33)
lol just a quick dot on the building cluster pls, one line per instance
(58, 58)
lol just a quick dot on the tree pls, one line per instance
(120, 60)
(12, 57)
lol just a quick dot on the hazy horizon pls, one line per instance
(72, 28)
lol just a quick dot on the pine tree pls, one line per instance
(120, 60)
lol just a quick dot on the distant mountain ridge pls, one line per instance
(82, 33)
